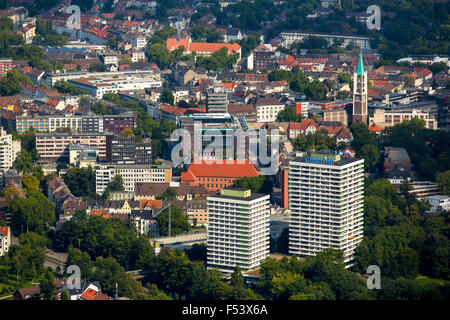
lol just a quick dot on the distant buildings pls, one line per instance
(267, 109)
(238, 230)
(5, 66)
(326, 203)
(439, 203)
(361, 42)
(201, 48)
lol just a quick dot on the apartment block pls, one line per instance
(326, 201)
(388, 118)
(238, 230)
(55, 146)
(8, 150)
(131, 174)
(216, 100)
(267, 109)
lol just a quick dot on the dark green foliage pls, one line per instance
(80, 181)
(167, 97)
(289, 114)
(179, 221)
(81, 259)
(197, 252)
(365, 144)
(35, 213)
(64, 87)
(26, 261)
(219, 60)
(97, 67)
(259, 184)
(48, 288)
(314, 141)
(105, 237)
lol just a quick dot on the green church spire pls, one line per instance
(360, 71)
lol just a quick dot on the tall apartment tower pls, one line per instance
(8, 150)
(326, 203)
(360, 93)
(238, 230)
(216, 100)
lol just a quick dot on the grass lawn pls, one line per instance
(424, 280)
(10, 286)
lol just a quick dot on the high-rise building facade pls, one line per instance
(360, 93)
(216, 100)
(8, 150)
(238, 230)
(326, 202)
(126, 150)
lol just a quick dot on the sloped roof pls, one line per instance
(224, 169)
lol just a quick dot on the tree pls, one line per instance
(83, 260)
(48, 289)
(35, 213)
(167, 97)
(64, 295)
(34, 240)
(443, 181)
(127, 132)
(314, 43)
(116, 183)
(259, 184)
(124, 60)
(179, 221)
(26, 262)
(24, 162)
(97, 67)
(370, 154)
(409, 81)
(80, 181)
(30, 182)
(289, 114)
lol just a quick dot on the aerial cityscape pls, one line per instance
(261, 150)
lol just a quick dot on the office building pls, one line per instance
(216, 100)
(326, 202)
(130, 175)
(360, 93)
(238, 230)
(126, 150)
(388, 118)
(288, 38)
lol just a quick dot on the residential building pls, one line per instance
(423, 189)
(139, 43)
(131, 174)
(5, 240)
(385, 118)
(244, 111)
(8, 150)
(185, 191)
(336, 115)
(439, 203)
(55, 146)
(216, 100)
(267, 109)
(116, 123)
(397, 165)
(5, 66)
(196, 210)
(137, 56)
(143, 220)
(360, 93)
(326, 200)
(126, 150)
(218, 175)
(238, 230)
(361, 42)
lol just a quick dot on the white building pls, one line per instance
(8, 150)
(267, 109)
(326, 202)
(238, 230)
(110, 59)
(139, 43)
(130, 175)
(5, 240)
(361, 42)
(137, 56)
(439, 203)
(99, 86)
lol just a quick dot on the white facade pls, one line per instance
(326, 202)
(268, 113)
(439, 203)
(238, 231)
(137, 56)
(130, 175)
(139, 42)
(8, 150)
(291, 37)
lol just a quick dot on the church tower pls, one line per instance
(360, 93)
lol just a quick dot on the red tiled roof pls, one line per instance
(375, 128)
(89, 294)
(4, 231)
(173, 44)
(225, 169)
